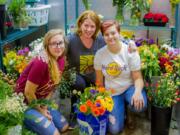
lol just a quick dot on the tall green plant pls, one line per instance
(120, 5)
(17, 9)
(2, 2)
(86, 4)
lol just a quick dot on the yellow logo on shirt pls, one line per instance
(113, 69)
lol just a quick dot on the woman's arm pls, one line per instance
(99, 78)
(137, 98)
(30, 90)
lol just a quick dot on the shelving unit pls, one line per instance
(16, 35)
(173, 30)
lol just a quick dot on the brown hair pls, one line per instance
(108, 23)
(91, 15)
(52, 63)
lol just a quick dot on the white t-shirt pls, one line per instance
(117, 68)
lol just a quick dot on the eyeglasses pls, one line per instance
(56, 45)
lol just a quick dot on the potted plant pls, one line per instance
(18, 12)
(162, 96)
(92, 110)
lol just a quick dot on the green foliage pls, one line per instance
(17, 9)
(2, 2)
(149, 61)
(86, 4)
(43, 102)
(67, 80)
(5, 89)
(163, 92)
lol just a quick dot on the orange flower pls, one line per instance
(89, 103)
(95, 111)
(112, 91)
(101, 110)
(101, 89)
(83, 108)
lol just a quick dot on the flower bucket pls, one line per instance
(90, 125)
(160, 120)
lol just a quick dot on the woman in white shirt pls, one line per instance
(118, 69)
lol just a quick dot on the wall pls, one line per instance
(105, 8)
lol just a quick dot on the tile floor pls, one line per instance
(143, 124)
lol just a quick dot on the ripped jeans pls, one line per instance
(39, 124)
(117, 116)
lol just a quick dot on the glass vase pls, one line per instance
(119, 14)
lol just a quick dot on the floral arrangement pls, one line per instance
(163, 93)
(96, 101)
(12, 108)
(15, 62)
(136, 7)
(149, 61)
(157, 18)
(144, 41)
(36, 47)
(67, 80)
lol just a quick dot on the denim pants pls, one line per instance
(117, 116)
(39, 124)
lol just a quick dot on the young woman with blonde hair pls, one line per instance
(38, 81)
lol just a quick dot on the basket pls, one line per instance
(39, 14)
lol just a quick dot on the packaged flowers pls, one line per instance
(155, 19)
(92, 110)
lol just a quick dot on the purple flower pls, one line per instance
(151, 41)
(20, 52)
(93, 92)
(98, 104)
(26, 49)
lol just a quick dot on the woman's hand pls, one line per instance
(43, 56)
(132, 47)
(43, 110)
(137, 101)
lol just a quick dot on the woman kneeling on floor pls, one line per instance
(38, 81)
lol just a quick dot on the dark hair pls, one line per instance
(91, 15)
(108, 23)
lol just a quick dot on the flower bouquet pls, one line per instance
(12, 110)
(157, 19)
(15, 62)
(163, 93)
(93, 108)
(149, 61)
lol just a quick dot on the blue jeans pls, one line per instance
(39, 124)
(117, 116)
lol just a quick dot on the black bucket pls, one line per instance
(160, 120)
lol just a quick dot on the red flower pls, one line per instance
(157, 17)
(149, 15)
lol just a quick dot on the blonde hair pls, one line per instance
(52, 62)
(91, 15)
